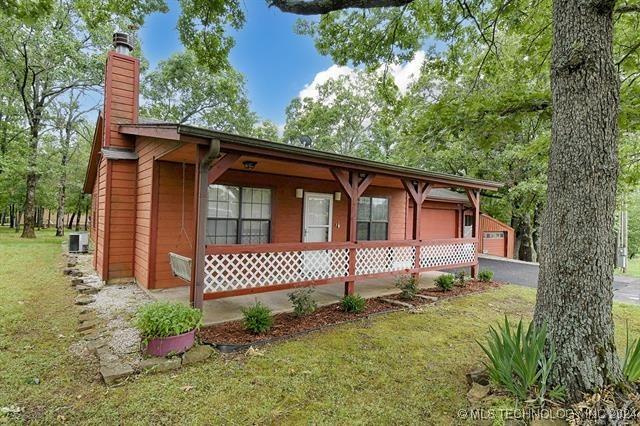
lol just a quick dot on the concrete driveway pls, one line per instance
(626, 289)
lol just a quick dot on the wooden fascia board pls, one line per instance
(94, 156)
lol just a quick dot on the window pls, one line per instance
(468, 220)
(493, 235)
(373, 218)
(238, 215)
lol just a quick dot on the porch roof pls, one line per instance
(254, 146)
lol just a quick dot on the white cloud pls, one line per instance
(334, 71)
(403, 75)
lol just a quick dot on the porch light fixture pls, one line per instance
(249, 165)
(299, 192)
(337, 195)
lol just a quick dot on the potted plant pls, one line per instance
(167, 328)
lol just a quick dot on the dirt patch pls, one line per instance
(472, 286)
(288, 325)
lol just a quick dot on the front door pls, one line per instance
(318, 211)
(317, 217)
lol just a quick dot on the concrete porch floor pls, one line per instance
(230, 308)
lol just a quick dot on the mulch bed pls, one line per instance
(232, 334)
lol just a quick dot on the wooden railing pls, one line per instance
(242, 269)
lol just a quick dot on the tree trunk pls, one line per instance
(576, 269)
(12, 215)
(79, 213)
(71, 219)
(28, 230)
(86, 218)
(17, 223)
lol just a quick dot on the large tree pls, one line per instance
(575, 287)
(182, 90)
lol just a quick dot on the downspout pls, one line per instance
(203, 166)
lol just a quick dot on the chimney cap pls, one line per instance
(123, 43)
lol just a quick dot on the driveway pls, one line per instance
(626, 289)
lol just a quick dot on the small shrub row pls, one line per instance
(258, 318)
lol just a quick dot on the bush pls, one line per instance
(353, 303)
(164, 319)
(631, 362)
(303, 303)
(257, 318)
(486, 275)
(408, 286)
(461, 279)
(517, 360)
(445, 282)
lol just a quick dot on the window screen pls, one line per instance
(373, 218)
(238, 215)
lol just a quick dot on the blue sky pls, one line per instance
(276, 63)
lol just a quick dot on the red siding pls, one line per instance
(121, 97)
(122, 219)
(498, 247)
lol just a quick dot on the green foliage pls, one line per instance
(445, 282)
(180, 90)
(631, 361)
(461, 278)
(302, 300)
(164, 319)
(485, 275)
(408, 286)
(257, 318)
(517, 360)
(353, 303)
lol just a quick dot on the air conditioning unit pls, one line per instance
(78, 242)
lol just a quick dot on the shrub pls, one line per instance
(461, 278)
(353, 303)
(517, 360)
(408, 286)
(445, 282)
(486, 275)
(631, 362)
(303, 303)
(257, 318)
(164, 319)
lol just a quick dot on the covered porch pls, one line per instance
(298, 246)
(230, 308)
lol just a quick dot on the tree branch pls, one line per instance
(321, 7)
(628, 8)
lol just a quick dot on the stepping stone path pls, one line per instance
(104, 325)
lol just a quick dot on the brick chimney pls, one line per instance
(121, 91)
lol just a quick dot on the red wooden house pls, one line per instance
(255, 215)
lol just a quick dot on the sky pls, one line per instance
(278, 64)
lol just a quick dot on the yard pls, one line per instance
(396, 368)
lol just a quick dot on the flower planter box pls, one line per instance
(170, 345)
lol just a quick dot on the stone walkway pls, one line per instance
(105, 320)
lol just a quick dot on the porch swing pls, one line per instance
(181, 265)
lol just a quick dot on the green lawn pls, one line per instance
(633, 268)
(397, 368)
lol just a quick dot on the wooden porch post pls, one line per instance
(418, 193)
(474, 197)
(354, 187)
(204, 159)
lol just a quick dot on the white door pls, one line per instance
(317, 217)
(318, 211)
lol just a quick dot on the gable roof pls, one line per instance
(173, 131)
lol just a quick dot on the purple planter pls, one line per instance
(170, 345)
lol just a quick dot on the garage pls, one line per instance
(497, 237)
(494, 243)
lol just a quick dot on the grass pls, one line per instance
(396, 368)
(633, 268)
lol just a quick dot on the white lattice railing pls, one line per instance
(447, 254)
(238, 267)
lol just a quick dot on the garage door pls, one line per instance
(438, 223)
(494, 243)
